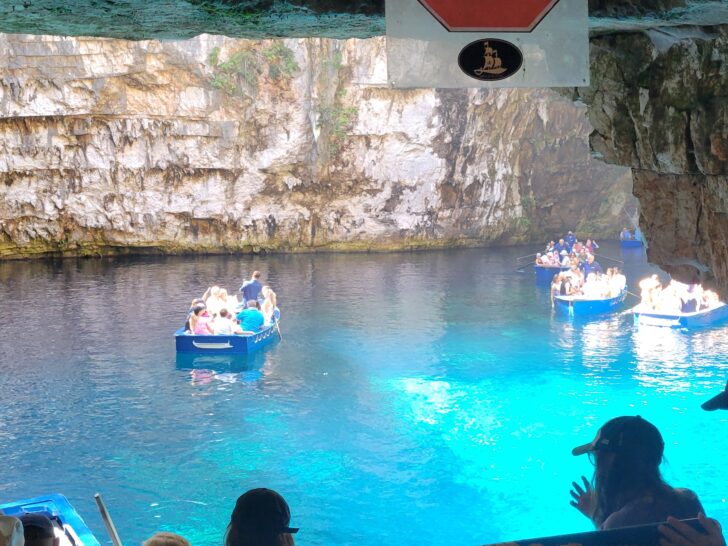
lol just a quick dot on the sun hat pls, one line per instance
(627, 434)
(720, 401)
(564, 253)
(11, 531)
(262, 511)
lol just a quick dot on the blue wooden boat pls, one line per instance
(580, 306)
(56, 507)
(545, 273)
(239, 344)
(706, 317)
(631, 243)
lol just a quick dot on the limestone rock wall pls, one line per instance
(658, 104)
(216, 144)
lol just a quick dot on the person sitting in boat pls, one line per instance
(190, 313)
(223, 325)
(556, 283)
(251, 319)
(690, 298)
(270, 305)
(215, 299)
(710, 300)
(261, 518)
(565, 259)
(650, 289)
(669, 301)
(562, 245)
(570, 239)
(550, 247)
(251, 289)
(201, 321)
(38, 530)
(591, 246)
(625, 235)
(617, 282)
(577, 248)
(591, 266)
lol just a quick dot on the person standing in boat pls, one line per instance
(252, 288)
(562, 245)
(626, 235)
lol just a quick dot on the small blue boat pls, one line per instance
(239, 344)
(545, 273)
(631, 243)
(57, 508)
(580, 306)
(706, 317)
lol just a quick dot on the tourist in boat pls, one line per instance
(628, 488)
(556, 286)
(251, 319)
(269, 305)
(223, 324)
(166, 539)
(215, 299)
(550, 247)
(201, 321)
(710, 300)
(591, 246)
(251, 288)
(592, 266)
(570, 239)
(565, 259)
(190, 313)
(625, 235)
(38, 530)
(650, 289)
(11, 531)
(577, 248)
(261, 518)
(617, 282)
(561, 245)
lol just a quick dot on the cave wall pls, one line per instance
(658, 103)
(216, 144)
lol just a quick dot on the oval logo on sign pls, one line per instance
(490, 59)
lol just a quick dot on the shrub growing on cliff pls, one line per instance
(336, 120)
(281, 61)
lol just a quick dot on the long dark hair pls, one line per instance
(238, 537)
(260, 518)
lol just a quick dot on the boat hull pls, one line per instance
(575, 306)
(630, 243)
(55, 505)
(221, 345)
(698, 319)
(545, 273)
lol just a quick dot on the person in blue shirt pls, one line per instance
(626, 235)
(570, 239)
(251, 289)
(250, 318)
(561, 245)
(592, 266)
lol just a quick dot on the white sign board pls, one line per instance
(487, 43)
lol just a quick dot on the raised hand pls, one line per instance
(678, 533)
(584, 499)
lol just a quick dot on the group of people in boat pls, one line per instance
(593, 285)
(566, 252)
(676, 297)
(219, 313)
(628, 235)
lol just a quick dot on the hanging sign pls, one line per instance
(487, 43)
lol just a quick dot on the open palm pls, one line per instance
(583, 497)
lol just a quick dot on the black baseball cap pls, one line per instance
(262, 511)
(719, 401)
(626, 433)
(41, 522)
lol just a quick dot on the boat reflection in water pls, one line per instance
(229, 368)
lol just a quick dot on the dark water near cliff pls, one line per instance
(424, 398)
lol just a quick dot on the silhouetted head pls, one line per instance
(166, 539)
(38, 530)
(261, 518)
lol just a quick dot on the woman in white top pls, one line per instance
(214, 300)
(269, 304)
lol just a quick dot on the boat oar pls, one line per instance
(278, 328)
(608, 258)
(529, 256)
(108, 522)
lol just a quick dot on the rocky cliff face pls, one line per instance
(658, 104)
(217, 144)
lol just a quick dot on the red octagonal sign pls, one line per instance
(489, 15)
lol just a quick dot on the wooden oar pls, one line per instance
(608, 258)
(278, 328)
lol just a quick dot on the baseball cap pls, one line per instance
(626, 433)
(719, 401)
(262, 511)
(40, 522)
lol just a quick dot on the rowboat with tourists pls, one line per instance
(580, 305)
(55, 512)
(677, 305)
(629, 239)
(221, 324)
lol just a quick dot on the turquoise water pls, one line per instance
(420, 398)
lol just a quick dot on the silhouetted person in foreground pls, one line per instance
(38, 530)
(681, 534)
(260, 518)
(628, 488)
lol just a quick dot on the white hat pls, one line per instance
(564, 253)
(11, 531)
